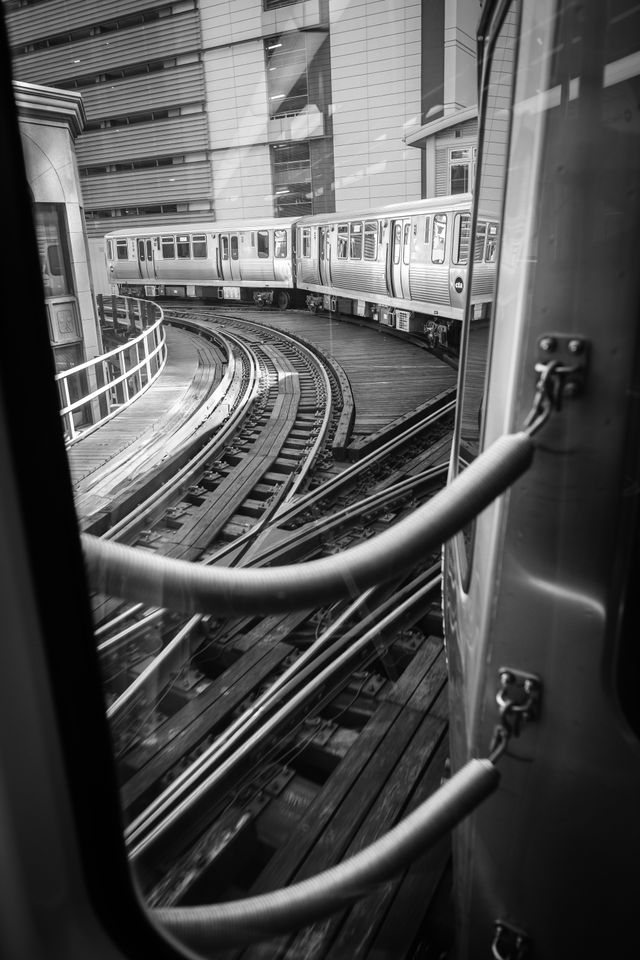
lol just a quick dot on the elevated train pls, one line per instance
(541, 559)
(404, 265)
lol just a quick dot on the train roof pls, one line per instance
(458, 201)
(158, 229)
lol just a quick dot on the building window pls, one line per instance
(272, 4)
(51, 235)
(291, 170)
(462, 168)
(287, 86)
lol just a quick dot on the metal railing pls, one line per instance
(93, 392)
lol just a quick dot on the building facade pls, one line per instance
(211, 109)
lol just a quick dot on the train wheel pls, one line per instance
(282, 300)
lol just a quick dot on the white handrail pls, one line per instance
(120, 384)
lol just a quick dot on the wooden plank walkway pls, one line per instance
(397, 761)
(389, 377)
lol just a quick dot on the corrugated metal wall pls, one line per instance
(159, 138)
(175, 184)
(164, 88)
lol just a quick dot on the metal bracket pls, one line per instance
(518, 699)
(570, 355)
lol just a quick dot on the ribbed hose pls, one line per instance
(242, 922)
(122, 571)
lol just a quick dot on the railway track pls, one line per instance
(227, 731)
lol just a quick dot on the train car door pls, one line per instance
(324, 251)
(146, 268)
(234, 261)
(399, 255)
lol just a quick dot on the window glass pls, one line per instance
(370, 240)
(224, 247)
(51, 234)
(407, 242)
(168, 245)
(234, 247)
(478, 246)
(280, 244)
(122, 250)
(355, 241)
(492, 243)
(343, 241)
(183, 247)
(263, 243)
(427, 230)
(439, 238)
(199, 245)
(462, 238)
(306, 241)
(109, 249)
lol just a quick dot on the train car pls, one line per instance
(230, 260)
(404, 265)
(541, 608)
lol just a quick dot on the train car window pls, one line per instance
(141, 254)
(478, 246)
(439, 238)
(462, 238)
(427, 230)
(407, 243)
(492, 243)
(263, 243)
(109, 249)
(122, 250)
(279, 244)
(199, 242)
(397, 241)
(355, 241)
(306, 242)
(168, 248)
(498, 97)
(370, 240)
(234, 247)
(343, 241)
(183, 248)
(224, 247)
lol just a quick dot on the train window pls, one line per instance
(407, 243)
(263, 243)
(492, 243)
(370, 240)
(478, 246)
(168, 245)
(439, 238)
(397, 241)
(279, 244)
(141, 255)
(306, 242)
(199, 242)
(427, 229)
(462, 238)
(109, 249)
(355, 241)
(224, 247)
(343, 240)
(234, 247)
(122, 250)
(183, 247)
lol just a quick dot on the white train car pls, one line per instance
(404, 265)
(231, 260)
